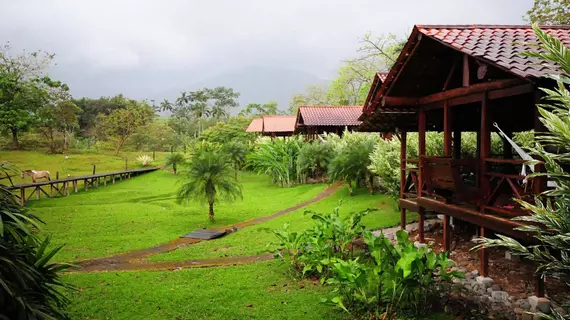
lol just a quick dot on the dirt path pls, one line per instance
(133, 260)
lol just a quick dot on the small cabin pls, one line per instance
(273, 126)
(315, 120)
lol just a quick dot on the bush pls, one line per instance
(145, 160)
(278, 159)
(314, 159)
(174, 160)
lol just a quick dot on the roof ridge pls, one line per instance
(327, 106)
(489, 26)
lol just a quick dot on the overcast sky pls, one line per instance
(145, 47)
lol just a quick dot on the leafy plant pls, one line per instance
(314, 159)
(236, 152)
(549, 219)
(278, 159)
(209, 178)
(29, 284)
(174, 160)
(145, 160)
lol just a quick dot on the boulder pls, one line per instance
(500, 296)
(539, 304)
(484, 281)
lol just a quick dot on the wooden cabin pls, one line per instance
(273, 126)
(315, 120)
(456, 79)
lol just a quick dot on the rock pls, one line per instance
(489, 290)
(519, 311)
(475, 273)
(418, 244)
(523, 304)
(527, 316)
(484, 281)
(500, 296)
(462, 270)
(539, 304)
(496, 287)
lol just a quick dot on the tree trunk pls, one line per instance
(15, 142)
(174, 167)
(371, 183)
(51, 142)
(349, 188)
(211, 212)
(119, 145)
(65, 147)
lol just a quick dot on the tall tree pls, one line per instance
(21, 90)
(314, 95)
(549, 12)
(256, 109)
(122, 123)
(91, 108)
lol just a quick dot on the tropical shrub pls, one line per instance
(175, 160)
(236, 152)
(278, 159)
(314, 159)
(145, 160)
(352, 160)
(549, 219)
(209, 178)
(29, 284)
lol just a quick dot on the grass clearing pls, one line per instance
(255, 239)
(142, 212)
(78, 164)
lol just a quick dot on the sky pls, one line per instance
(146, 48)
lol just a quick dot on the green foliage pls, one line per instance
(352, 160)
(122, 123)
(175, 160)
(549, 219)
(154, 136)
(232, 130)
(549, 12)
(29, 284)
(388, 280)
(236, 152)
(278, 159)
(145, 160)
(209, 178)
(314, 159)
(256, 109)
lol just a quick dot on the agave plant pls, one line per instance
(29, 284)
(145, 160)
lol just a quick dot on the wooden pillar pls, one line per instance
(75, 183)
(484, 150)
(403, 141)
(538, 285)
(457, 144)
(422, 152)
(37, 192)
(483, 256)
(113, 178)
(466, 75)
(104, 180)
(86, 184)
(22, 197)
(446, 233)
(447, 120)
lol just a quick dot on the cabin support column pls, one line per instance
(447, 149)
(22, 197)
(484, 150)
(422, 153)
(403, 141)
(539, 185)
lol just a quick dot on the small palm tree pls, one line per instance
(209, 178)
(236, 152)
(175, 160)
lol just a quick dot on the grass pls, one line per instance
(218, 293)
(142, 212)
(78, 164)
(255, 239)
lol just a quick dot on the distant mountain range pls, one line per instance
(257, 85)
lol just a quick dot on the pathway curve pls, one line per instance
(133, 260)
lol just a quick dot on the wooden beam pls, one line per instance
(476, 88)
(422, 152)
(403, 141)
(450, 75)
(485, 149)
(398, 101)
(447, 121)
(466, 70)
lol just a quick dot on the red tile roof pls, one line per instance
(279, 123)
(498, 44)
(330, 115)
(256, 125)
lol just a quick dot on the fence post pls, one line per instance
(153, 156)
(126, 163)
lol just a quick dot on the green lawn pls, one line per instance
(78, 164)
(142, 212)
(255, 239)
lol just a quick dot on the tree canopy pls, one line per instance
(549, 12)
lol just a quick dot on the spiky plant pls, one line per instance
(175, 160)
(209, 179)
(278, 159)
(145, 160)
(549, 219)
(314, 159)
(29, 284)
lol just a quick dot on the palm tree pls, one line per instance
(236, 152)
(174, 160)
(209, 178)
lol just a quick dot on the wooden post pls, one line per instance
(403, 141)
(37, 192)
(75, 183)
(94, 169)
(86, 184)
(447, 120)
(538, 285)
(422, 153)
(485, 149)
(466, 70)
(457, 143)
(446, 234)
(113, 178)
(126, 163)
(483, 256)
(104, 180)
(153, 155)
(22, 197)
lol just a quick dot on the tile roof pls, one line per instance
(498, 44)
(330, 115)
(256, 125)
(279, 123)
